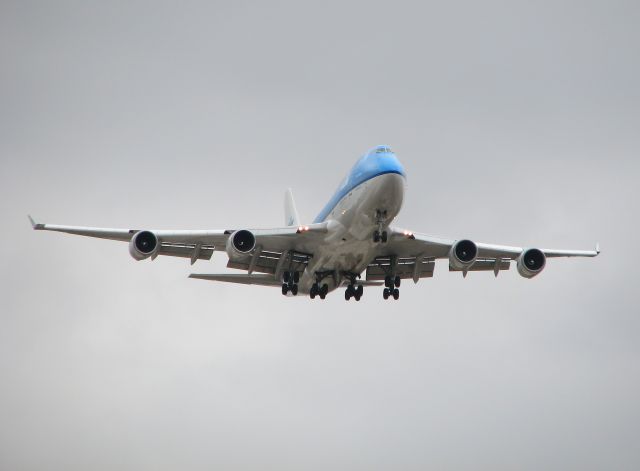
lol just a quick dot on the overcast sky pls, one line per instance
(517, 122)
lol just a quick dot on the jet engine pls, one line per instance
(240, 243)
(143, 245)
(463, 254)
(531, 262)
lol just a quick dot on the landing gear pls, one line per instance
(389, 290)
(290, 284)
(380, 235)
(393, 292)
(318, 290)
(352, 290)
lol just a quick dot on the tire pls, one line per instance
(396, 294)
(294, 290)
(397, 281)
(296, 276)
(285, 290)
(322, 295)
(357, 297)
(324, 290)
(360, 291)
(388, 281)
(347, 295)
(376, 236)
(385, 293)
(383, 238)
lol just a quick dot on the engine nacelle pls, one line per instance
(531, 262)
(463, 254)
(143, 245)
(240, 243)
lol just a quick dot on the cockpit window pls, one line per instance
(382, 150)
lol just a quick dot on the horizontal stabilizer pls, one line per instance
(240, 278)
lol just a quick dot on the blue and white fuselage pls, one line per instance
(367, 200)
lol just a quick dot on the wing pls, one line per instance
(413, 255)
(275, 249)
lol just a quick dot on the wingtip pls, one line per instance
(36, 226)
(597, 248)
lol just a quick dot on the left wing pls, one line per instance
(413, 256)
(272, 250)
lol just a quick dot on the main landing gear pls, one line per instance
(318, 290)
(391, 287)
(290, 282)
(380, 235)
(352, 290)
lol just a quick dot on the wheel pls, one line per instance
(285, 289)
(285, 277)
(397, 282)
(296, 276)
(324, 290)
(383, 238)
(347, 294)
(314, 290)
(294, 290)
(396, 294)
(312, 295)
(359, 292)
(388, 281)
(357, 296)
(376, 236)
(385, 293)
(322, 295)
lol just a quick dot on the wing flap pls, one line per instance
(191, 251)
(487, 265)
(404, 267)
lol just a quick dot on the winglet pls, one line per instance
(36, 226)
(597, 248)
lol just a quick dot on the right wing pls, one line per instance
(275, 249)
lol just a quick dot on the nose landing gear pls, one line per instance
(380, 235)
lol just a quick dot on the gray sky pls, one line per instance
(517, 123)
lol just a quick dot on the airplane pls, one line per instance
(351, 236)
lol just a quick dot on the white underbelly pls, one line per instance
(349, 246)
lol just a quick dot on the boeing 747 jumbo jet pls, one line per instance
(351, 236)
